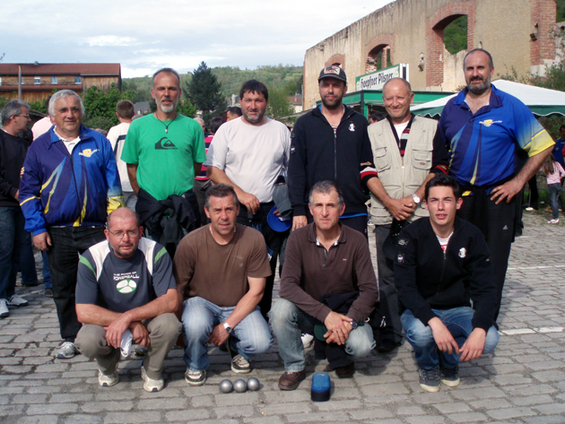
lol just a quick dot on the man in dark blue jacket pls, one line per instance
(69, 183)
(14, 117)
(446, 287)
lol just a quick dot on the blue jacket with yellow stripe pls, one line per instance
(62, 189)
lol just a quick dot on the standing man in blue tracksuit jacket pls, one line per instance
(69, 183)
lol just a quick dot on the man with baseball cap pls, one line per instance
(331, 143)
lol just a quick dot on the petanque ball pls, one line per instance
(226, 386)
(240, 386)
(253, 384)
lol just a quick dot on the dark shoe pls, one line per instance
(346, 371)
(291, 380)
(429, 380)
(449, 376)
(36, 283)
(387, 346)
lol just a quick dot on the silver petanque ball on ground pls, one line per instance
(226, 386)
(253, 384)
(240, 386)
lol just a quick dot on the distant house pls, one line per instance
(40, 79)
(141, 108)
(296, 101)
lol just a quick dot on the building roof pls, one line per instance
(82, 69)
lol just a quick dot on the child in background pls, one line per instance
(553, 172)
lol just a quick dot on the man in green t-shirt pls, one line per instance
(164, 151)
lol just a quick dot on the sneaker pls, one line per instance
(429, 380)
(195, 378)
(107, 380)
(387, 345)
(291, 380)
(4, 311)
(17, 300)
(530, 209)
(48, 293)
(239, 364)
(151, 385)
(553, 221)
(307, 340)
(449, 376)
(67, 350)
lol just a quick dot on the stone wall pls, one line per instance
(413, 31)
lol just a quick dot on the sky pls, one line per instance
(147, 35)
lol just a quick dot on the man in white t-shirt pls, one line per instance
(251, 154)
(407, 151)
(117, 136)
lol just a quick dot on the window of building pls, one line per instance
(54, 80)
(0, 80)
(77, 80)
(36, 80)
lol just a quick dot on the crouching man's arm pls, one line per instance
(244, 307)
(116, 323)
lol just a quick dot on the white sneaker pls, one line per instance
(4, 311)
(17, 300)
(67, 350)
(151, 385)
(307, 340)
(107, 380)
(553, 221)
(195, 378)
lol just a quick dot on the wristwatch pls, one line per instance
(353, 324)
(227, 327)
(417, 200)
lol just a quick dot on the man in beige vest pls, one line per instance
(407, 151)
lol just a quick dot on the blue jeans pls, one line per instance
(199, 317)
(553, 191)
(458, 321)
(288, 322)
(12, 239)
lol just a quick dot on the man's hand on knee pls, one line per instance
(140, 334)
(338, 326)
(219, 335)
(474, 345)
(442, 336)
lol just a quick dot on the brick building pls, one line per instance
(38, 80)
(518, 33)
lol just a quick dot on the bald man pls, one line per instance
(408, 151)
(126, 288)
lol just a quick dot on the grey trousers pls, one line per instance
(163, 330)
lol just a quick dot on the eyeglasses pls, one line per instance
(66, 109)
(24, 116)
(120, 234)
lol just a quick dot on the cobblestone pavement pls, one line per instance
(522, 382)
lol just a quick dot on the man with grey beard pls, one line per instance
(483, 127)
(164, 151)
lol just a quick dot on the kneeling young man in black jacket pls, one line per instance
(446, 287)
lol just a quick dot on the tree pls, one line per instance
(279, 105)
(100, 106)
(186, 108)
(204, 91)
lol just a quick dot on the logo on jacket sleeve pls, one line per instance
(165, 144)
(88, 152)
(352, 127)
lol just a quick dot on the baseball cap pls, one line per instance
(333, 72)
